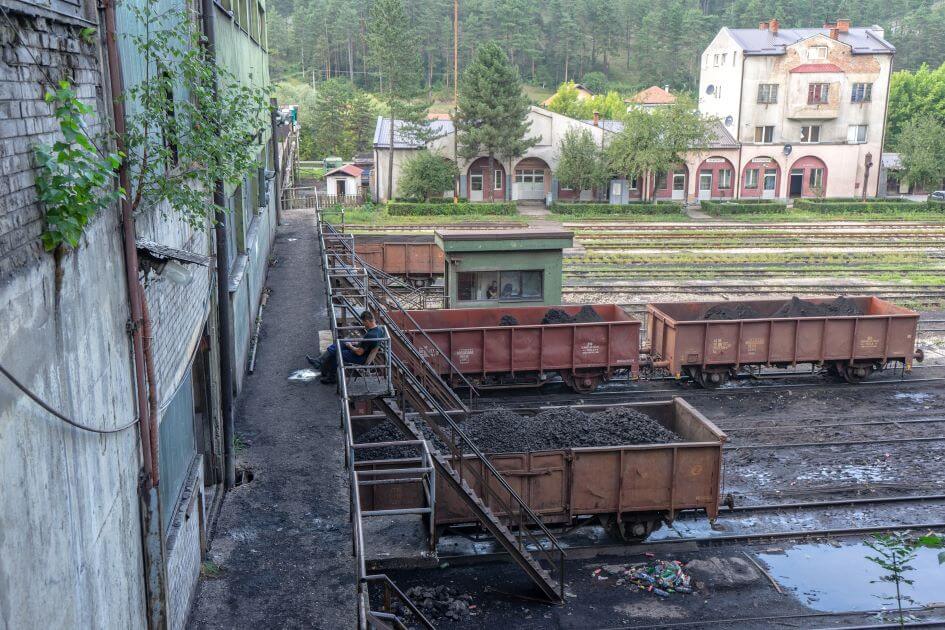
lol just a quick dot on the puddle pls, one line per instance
(916, 397)
(835, 579)
(303, 376)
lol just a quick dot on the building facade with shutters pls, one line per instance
(807, 106)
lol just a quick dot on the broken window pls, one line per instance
(862, 93)
(810, 133)
(817, 93)
(768, 93)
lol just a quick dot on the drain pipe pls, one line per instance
(276, 165)
(224, 320)
(140, 327)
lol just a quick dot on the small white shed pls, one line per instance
(344, 181)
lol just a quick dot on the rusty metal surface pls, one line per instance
(403, 258)
(678, 334)
(561, 485)
(477, 344)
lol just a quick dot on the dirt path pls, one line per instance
(283, 541)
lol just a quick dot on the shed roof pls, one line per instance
(862, 40)
(502, 240)
(348, 169)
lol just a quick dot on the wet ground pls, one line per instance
(282, 544)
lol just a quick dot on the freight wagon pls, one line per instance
(415, 258)
(851, 346)
(631, 489)
(515, 346)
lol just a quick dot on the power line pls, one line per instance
(39, 401)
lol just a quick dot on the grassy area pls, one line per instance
(378, 216)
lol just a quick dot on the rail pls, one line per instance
(367, 616)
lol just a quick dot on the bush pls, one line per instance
(755, 206)
(856, 200)
(866, 207)
(447, 208)
(581, 208)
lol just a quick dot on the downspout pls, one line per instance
(140, 326)
(882, 134)
(224, 321)
(738, 123)
(276, 165)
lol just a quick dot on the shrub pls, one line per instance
(447, 208)
(856, 200)
(760, 206)
(865, 207)
(582, 208)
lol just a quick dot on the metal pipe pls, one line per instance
(224, 321)
(276, 165)
(152, 541)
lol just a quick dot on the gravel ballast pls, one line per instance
(504, 431)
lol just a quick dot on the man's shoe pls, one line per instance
(328, 380)
(313, 361)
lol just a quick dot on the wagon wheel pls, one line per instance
(632, 528)
(855, 373)
(582, 383)
(709, 380)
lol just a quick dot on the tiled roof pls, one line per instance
(347, 169)
(756, 41)
(653, 95)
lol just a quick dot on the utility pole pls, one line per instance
(455, 52)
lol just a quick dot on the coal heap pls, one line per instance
(508, 320)
(586, 315)
(504, 431)
(731, 311)
(796, 307)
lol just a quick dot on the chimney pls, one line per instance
(843, 25)
(596, 118)
(773, 26)
(834, 32)
(666, 87)
(763, 26)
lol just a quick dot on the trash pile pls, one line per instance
(660, 577)
(438, 601)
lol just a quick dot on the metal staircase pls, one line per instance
(418, 386)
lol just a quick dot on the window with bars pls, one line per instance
(768, 93)
(862, 93)
(818, 93)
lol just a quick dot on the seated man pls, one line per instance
(358, 352)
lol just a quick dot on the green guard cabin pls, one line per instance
(488, 268)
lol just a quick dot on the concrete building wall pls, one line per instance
(70, 543)
(720, 79)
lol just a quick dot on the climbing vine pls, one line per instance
(74, 181)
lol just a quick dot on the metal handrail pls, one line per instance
(365, 613)
(555, 554)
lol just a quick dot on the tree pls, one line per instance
(427, 175)
(654, 142)
(580, 163)
(393, 51)
(921, 146)
(913, 95)
(595, 81)
(492, 112)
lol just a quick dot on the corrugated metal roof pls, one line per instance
(403, 140)
(863, 40)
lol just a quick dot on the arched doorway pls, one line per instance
(672, 184)
(483, 185)
(807, 178)
(531, 179)
(715, 179)
(761, 178)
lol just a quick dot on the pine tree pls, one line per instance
(492, 112)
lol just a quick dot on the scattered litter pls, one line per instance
(303, 376)
(660, 577)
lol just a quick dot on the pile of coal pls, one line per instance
(731, 311)
(385, 431)
(587, 315)
(508, 320)
(436, 601)
(796, 307)
(556, 316)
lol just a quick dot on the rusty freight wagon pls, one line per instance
(631, 489)
(511, 347)
(416, 257)
(869, 334)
